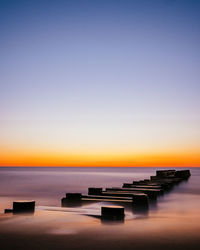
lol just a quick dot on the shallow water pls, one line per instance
(174, 219)
(48, 185)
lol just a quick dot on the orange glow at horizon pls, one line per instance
(101, 159)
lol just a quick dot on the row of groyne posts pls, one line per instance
(137, 194)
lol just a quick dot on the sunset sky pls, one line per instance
(100, 83)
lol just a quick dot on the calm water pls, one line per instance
(48, 185)
(171, 223)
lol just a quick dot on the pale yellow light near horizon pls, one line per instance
(93, 142)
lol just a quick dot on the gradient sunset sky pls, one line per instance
(99, 83)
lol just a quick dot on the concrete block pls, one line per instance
(94, 191)
(112, 212)
(23, 206)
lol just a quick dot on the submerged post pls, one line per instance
(8, 210)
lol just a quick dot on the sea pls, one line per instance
(171, 222)
(47, 185)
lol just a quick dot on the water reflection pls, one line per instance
(107, 221)
(141, 210)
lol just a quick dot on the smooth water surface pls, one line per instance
(172, 222)
(48, 185)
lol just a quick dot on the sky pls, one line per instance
(100, 83)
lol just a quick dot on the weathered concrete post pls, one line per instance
(112, 212)
(94, 191)
(140, 200)
(23, 206)
(185, 174)
(71, 199)
(165, 173)
(73, 196)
